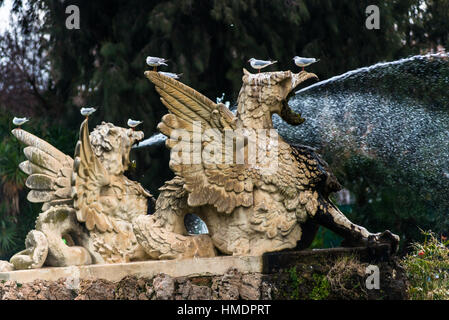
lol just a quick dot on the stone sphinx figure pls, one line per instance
(249, 209)
(88, 203)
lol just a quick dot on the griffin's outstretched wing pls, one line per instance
(225, 185)
(49, 171)
(91, 176)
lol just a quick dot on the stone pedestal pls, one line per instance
(337, 273)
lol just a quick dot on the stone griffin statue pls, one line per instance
(88, 203)
(273, 199)
(248, 209)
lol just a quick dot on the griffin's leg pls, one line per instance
(34, 255)
(46, 243)
(163, 234)
(354, 235)
(309, 231)
(66, 237)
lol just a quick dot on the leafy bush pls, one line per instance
(428, 269)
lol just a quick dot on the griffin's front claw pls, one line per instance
(386, 237)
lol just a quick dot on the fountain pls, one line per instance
(274, 199)
(394, 112)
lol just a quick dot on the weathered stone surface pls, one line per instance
(322, 274)
(78, 227)
(59, 224)
(164, 287)
(200, 293)
(37, 290)
(227, 286)
(147, 269)
(35, 253)
(128, 289)
(301, 284)
(59, 290)
(250, 287)
(96, 290)
(5, 266)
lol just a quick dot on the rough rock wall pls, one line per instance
(338, 279)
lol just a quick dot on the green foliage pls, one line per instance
(325, 239)
(321, 289)
(9, 237)
(295, 283)
(427, 268)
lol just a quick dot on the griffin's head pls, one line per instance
(112, 146)
(269, 92)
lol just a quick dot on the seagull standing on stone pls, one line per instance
(260, 64)
(87, 111)
(171, 75)
(133, 123)
(304, 62)
(156, 62)
(19, 121)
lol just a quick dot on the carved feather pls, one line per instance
(48, 168)
(90, 178)
(40, 182)
(31, 140)
(203, 182)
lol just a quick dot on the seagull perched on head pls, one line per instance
(260, 64)
(171, 75)
(156, 62)
(304, 62)
(87, 111)
(19, 121)
(133, 123)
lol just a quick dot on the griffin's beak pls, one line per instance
(287, 114)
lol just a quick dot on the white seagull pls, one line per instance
(304, 62)
(87, 111)
(171, 75)
(156, 62)
(260, 64)
(19, 121)
(133, 123)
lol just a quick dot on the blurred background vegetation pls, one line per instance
(48, 72)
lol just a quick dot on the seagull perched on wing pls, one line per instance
(171, 75)
(304, 62)
(156, 62)
(260, 64)
(19, 121)
(87, 111)
(133, 123)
